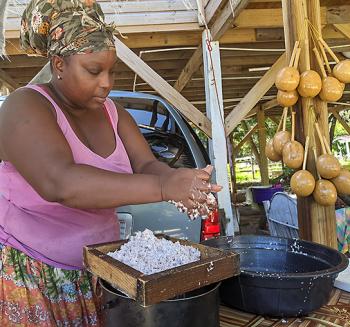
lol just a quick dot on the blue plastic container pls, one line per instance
(264, 193)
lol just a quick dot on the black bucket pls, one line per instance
(194, 309)
(279, 277)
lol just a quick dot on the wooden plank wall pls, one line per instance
(129, 16)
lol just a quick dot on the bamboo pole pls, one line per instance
(294, 18)
(323, 218)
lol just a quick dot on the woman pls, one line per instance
(69, 158)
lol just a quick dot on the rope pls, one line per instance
(211, 69)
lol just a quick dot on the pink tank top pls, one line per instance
(51, 232)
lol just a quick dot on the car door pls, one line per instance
(172, 142)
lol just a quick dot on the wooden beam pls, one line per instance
(217, 145)
(336, 14)
(341, 107)
(265, 106)
(272, 17)
(162, 87)
(219, 27)
(44, 76)
(201, 13)
(191, 67)
(240, 36)
(245, 139)
(344, 29)
(341, 120)
(270, 104)
(212, 8)
(21, 61)
(8, 80)
(176, 20)
(253, 96)
(275, 120)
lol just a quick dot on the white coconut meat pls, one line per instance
(195, 213)
(149, 254)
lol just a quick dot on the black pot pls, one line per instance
(279, 277)
(194, 309)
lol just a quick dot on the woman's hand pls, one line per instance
(189, 187)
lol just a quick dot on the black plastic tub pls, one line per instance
(197, 308)
(279, 277)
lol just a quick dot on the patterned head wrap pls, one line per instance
(65, 27)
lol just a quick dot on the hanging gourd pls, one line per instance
(287, 98)
(325, 192)
(310, 84)
(332, 89)
(341, 70)
(282, 137)
(287, 78)
(342, 182)
(302, 182)
(270, 151)
(293, 151)
(327, 165)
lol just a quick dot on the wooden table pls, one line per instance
(335, 314)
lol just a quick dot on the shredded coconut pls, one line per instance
(149, 254)
(195, 213)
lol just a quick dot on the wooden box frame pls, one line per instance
(214, 266)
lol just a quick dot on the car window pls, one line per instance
(160, 130)
(149, 114)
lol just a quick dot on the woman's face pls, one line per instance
(87, 79)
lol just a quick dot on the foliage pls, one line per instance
(284, 178)
(201, 135)
(345, 114)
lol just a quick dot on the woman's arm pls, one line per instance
(33, 142)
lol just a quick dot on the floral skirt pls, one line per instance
(35, 294)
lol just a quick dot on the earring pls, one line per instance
(59, 77)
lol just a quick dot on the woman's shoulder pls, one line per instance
(26, 103)
(121, 112)
(25, 98)
(118, 110)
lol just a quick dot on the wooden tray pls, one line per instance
(214, 266)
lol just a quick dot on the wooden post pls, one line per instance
(251, 143)
(323, 218)
(215, 112)
(316, 223)
(264, 170)
(245, 138)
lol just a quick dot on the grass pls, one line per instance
(245, 176)
(244, 172)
